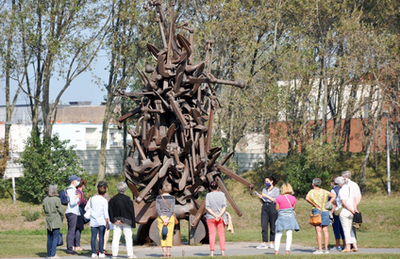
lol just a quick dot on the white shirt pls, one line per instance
(347, 194)
(73, 201)
(99, 213)
(355, 188)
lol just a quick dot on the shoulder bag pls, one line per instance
(315, 219)
(88, 212)
(176, 220)
(290, 205)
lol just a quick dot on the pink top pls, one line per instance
(283, 202)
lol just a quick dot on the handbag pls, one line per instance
(337, 212)
(82, 212)
(176, 220)
(316, 219)
(357, 218)
(88, 212)
(60, 241)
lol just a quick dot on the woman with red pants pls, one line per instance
(216, 217)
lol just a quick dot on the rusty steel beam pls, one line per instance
(174, 128)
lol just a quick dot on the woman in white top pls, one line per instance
(99, 220)
(346, 199)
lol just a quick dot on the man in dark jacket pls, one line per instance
(122, 215)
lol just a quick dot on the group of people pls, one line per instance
(339, 204)
(118, 212)
(105, 212)
(277, 215)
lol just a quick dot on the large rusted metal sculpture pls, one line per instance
(173, 134)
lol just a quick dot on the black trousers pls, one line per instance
(268, 218)
(72, 220)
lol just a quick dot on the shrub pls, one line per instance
(315, 162)
(30, 216)
(45, 163)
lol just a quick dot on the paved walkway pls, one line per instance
(242, 248)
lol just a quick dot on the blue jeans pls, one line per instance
(324, 216)
(52, 238)
(101, 230)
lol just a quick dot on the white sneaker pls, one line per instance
(339, 248)
(318, 252)
(262, 246)
(94, 256)
(271, 245)
(102, 256)
(326, 252)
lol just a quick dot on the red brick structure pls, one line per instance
(279, 136)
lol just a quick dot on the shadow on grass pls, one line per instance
(41, 254)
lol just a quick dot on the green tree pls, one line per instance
(47, 162)
(126, 48)
(52, 40)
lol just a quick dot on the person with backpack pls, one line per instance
(72, 212)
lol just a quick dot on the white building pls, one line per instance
(80, 123)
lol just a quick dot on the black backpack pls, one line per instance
(63, 197)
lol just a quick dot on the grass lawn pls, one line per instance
(381, 227)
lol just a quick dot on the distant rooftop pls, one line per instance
(80, 103)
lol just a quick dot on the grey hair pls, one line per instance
(340, 180)
(346, 174)
(53, 190)
(121, 187)
(317, 182)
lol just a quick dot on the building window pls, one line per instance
(92, 138)
(115, 139)
(78, 136)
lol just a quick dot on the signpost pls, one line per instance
(386, 114)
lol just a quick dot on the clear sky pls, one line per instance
(82, 88)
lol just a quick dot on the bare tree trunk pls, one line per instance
(324, 103)
(231, 135)
(9, 106)
(364, 164)
(104, 136)
(125, 131)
